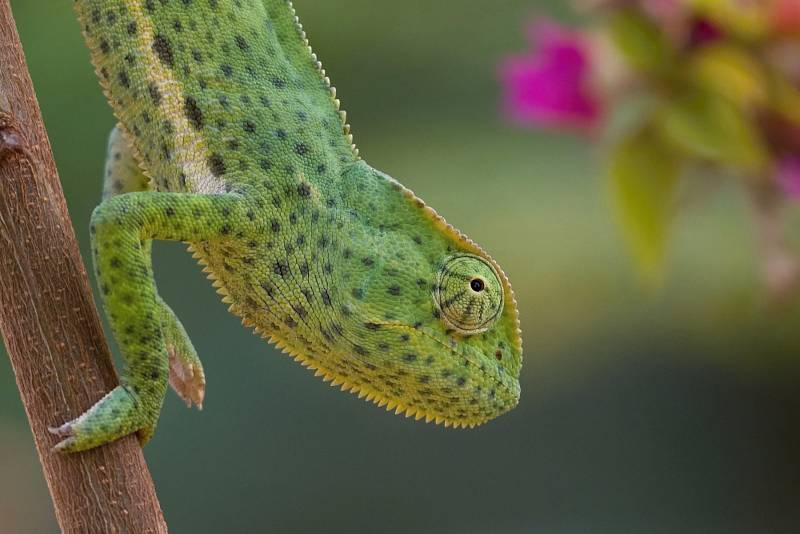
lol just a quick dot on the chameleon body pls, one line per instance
(230, 139)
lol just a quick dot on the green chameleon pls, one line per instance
(230, 138)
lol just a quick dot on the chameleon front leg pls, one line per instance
(186, 375)
(121, 227)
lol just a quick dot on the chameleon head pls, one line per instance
(440, 337)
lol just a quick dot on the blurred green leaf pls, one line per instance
(640, 41)
(785, 98)
(708, 127)
(730, 71)
(644, 173)
(749, 20)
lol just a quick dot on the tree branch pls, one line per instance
(49, 323)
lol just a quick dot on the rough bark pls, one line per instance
(49, 323)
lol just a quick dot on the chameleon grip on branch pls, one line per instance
(230, 138)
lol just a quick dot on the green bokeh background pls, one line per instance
(674, 410)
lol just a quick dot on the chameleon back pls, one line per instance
(214, 93)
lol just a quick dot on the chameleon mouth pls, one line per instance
(507, 389)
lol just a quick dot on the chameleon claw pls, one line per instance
(187, 380)
(64, 431)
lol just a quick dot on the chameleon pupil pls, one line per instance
(476, 284)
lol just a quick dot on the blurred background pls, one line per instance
(663, 410)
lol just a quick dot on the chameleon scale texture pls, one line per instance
(230, 139)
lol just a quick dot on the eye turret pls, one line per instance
(468, 293)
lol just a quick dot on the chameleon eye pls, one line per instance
(477, 285)
(468, 293)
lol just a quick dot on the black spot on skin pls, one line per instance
(275, 225)
(372, 326)
(405, 338)
(279, 83)
(498, 354)
(104, 47)
(461, 381)
(169, 212)
(241, 43)
(358, 293)
(124, 80)
(326, 298)
(304, 190)
(361, 351)
(249, 127)
(193, 113)
(265, 165)
(301, 149)
(155, 94)
(410, 357)
(131, 28)
(177, 25)
(281, 133)
(217, 165)
(281, 268)
(290, 322)
(227, 70)
(368, 262)
(196, 55)
(394, 290)
(417, 239)
(163, 49)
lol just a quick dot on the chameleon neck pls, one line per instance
(215, 93)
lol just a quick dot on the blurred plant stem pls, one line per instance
(779, 265)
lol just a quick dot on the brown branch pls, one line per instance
(49, 322)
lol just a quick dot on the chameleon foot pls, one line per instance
(116, 415)
(186, 374)
(186, 377)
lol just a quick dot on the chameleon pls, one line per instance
(230, 138)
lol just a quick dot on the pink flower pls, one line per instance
(787, 174)
(785, 15)
(549, 86)
(702, 32)
(663, 9)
